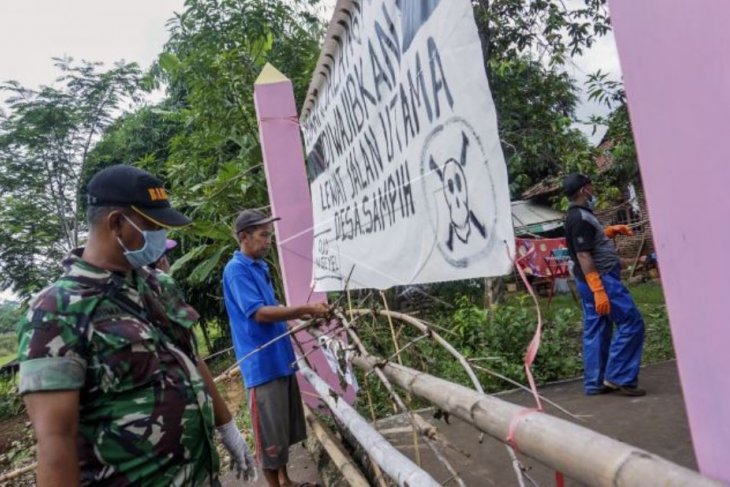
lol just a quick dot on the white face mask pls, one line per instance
(155, 244)
(592, 201)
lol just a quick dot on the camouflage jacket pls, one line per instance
(126, 343)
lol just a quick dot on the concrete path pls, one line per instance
(301, 469)
(656, 422)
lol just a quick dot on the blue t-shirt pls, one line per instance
(246, 288)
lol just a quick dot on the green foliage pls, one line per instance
(45, 139)
(140, 138)
(618, 141)
(503, 332)
(527, 45)
(549, 29)
(497, 339)
(10, 314)
(10, 402)
(8, 347)
(535, 107)
(202, 140)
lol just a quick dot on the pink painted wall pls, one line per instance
(288, 187)
(675, 56)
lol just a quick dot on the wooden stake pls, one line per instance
(335, 450)
(416, 447)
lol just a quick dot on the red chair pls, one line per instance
(558, 267)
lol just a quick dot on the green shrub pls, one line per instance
(10, 402)
(497, 338)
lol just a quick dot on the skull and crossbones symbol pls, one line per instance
(456, 193)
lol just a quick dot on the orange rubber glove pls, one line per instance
(613, 230)
(603, 305)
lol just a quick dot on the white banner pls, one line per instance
(407, 176)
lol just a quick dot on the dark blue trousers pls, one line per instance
(611, 353)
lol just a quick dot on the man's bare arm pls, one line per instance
(586, 263)
(55, 418)
(221, 413)
(270, 314)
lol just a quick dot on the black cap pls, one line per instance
(574, 182)
(122, 185)
(252, 218)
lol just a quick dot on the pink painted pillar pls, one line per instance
(674, 57)
(283, 155)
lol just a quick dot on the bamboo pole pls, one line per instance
(235, 369)
(427, 330)
(402, 407)
(578, 452)
(416, 447)
(376, 470)
(516, 465)
(378, 474)
(396, 465)
(335, 450)
(527, 389)
(417, 428)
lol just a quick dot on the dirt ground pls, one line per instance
(16, 448)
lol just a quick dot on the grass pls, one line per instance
(214, 333)
(497, 338)
(646, 295)
(7, 358)
(649, 298)
(8, 348)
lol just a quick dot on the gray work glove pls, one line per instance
(235, 444)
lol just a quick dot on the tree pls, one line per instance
(139, 138)
(210, 156)
(535, 107)
(10, 315)
(203, 139)
(45, 140)
(526, 47)
(618, 140)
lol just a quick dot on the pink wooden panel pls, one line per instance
(288, 187)
(674, 56)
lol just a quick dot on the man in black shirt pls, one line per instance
(611, 356)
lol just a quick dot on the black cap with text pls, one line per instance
(132, 187)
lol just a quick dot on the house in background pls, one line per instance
(531, 218)
(631, 210)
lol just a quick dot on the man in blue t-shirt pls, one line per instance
(257, 318)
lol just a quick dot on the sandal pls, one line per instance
(625, 390)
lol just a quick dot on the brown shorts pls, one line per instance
(277, 418)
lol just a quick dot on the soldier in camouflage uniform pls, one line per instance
(108, 362)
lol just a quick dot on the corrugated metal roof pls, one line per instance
(547, 187)
(530, 217)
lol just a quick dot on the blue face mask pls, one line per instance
(592, 201)
(155, 244)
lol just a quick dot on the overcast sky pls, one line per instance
(34, 31)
